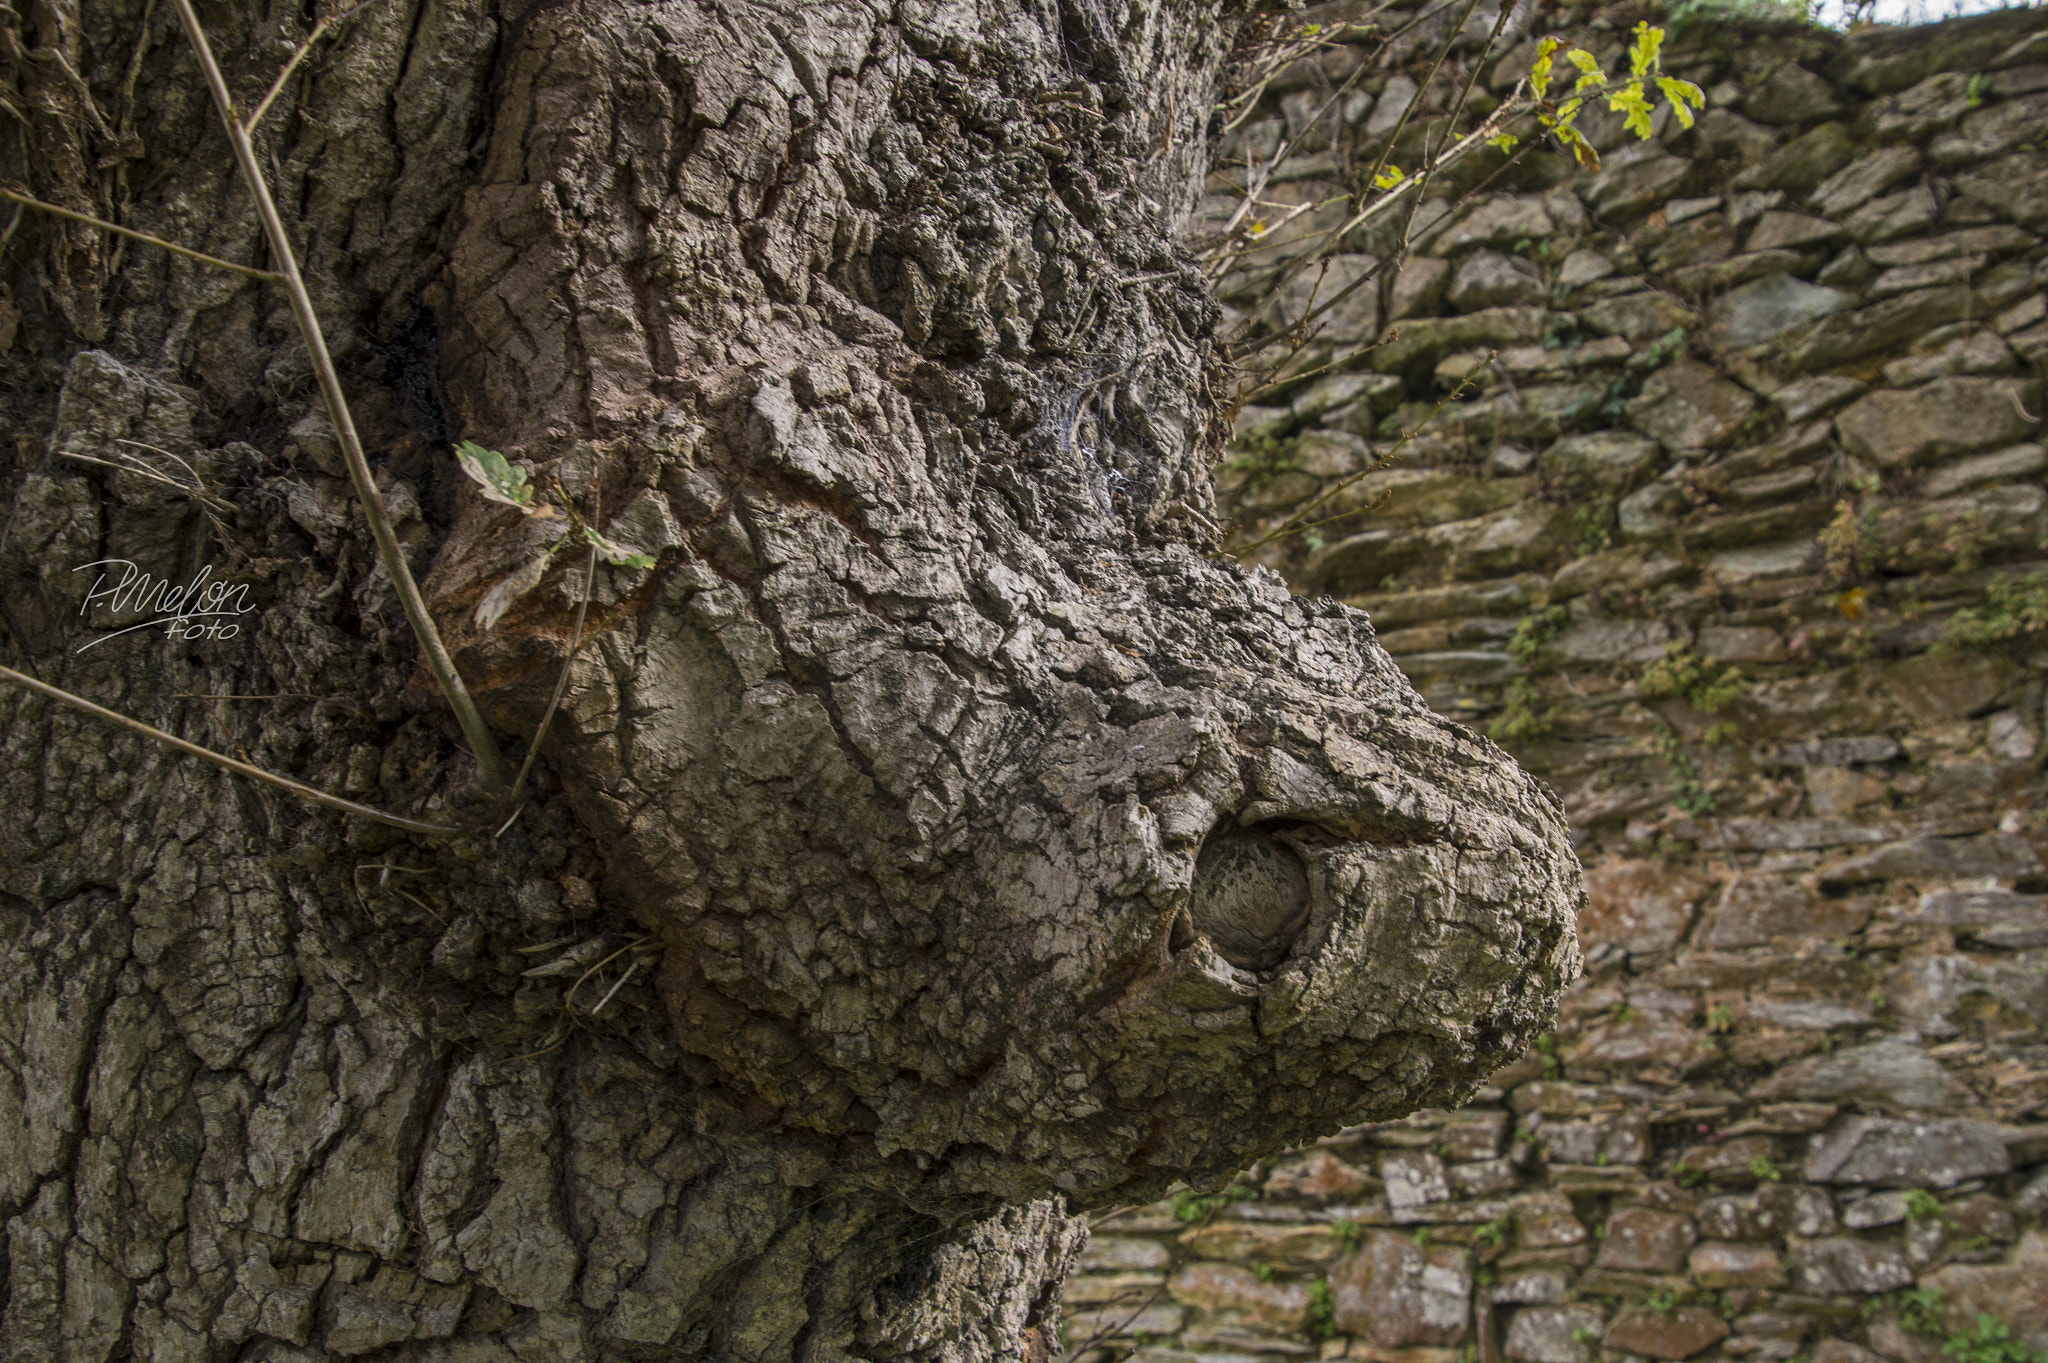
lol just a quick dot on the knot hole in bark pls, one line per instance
(1250, 898)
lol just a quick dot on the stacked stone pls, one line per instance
(1561, 1222)
(1732, 535)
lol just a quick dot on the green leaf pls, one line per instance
(613, 552)
(1502, 142)
(1643, 55)
(1634, 109)
(1682, 93)
(1388, 178)
(1539, 74)
(1591, 76)
(1676, 95)
(495, 476)
(500, 598)
(1581, 148)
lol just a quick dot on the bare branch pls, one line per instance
(491, 770)
(1294, 524)
(26, 201)
(1334, 240)
(1397, 194)
(320, 29)
(254, 773)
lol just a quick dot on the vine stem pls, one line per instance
(561, 686)
(29, 201)
(491, 771)
(319, 31)
(254, 773)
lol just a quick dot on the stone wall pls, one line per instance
(1740, 540)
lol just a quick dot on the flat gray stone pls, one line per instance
(1804, 161)
(1536, 1287)
(1843, 1263)
(1603, 461)
(1900, 1154)
(1841, 752)
(1887, 1071)
(1812, 397)
(1894, 215)
(1780, 230)
(1415, 1178)
(2020, 461)
(1989, 131)
(1488, 279)
(1792, 94)
(2005, 856)
(1948, 416)
(1864, 179)
(1879, 1209)
(1770, 1212)
(1769, 560)
(1637, 316)
(1767, 307)
(1994, 917)
(1551, 1334)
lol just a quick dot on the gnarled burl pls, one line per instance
(994, 853)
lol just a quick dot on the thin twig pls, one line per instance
(1336, 362)
(1293, 526)
(491, 771)
(631, 966)
(535, 1055)
(1500, 25)
(1285, 56)
(26, 201)
(1435, 162)
(1380, 265)
(1148, 278)
(1108, 1331)
(569, 999)
(1225, 254)
(1422, 91)
(423, 904)
(1373, 210)
(561, 687)
(134, 71)
(300, 789)
(1286, 148)
(1433, 158)
(141, 470)
(197, 480)
(266, 695)
(319, 31)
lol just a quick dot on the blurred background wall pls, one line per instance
(1710, 483)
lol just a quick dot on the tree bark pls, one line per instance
(936, 843)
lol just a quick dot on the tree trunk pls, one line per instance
(935, 844)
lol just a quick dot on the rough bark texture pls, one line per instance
(981, 852)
